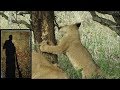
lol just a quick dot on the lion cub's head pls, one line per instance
(68, 28)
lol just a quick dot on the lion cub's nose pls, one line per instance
(78, 24)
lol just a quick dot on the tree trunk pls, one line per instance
(43, 29)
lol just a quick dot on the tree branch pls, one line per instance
(23, 12)
(112, 25)
(22, 22)
(3, 15)
(115, 15)
(56, 24)
(110, 12)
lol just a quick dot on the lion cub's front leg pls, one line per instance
(51, 49)
(60, 48)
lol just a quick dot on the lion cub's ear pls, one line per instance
(59, 28)
(78, 24)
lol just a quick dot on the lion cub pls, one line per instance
(43, 69)
(71, 45)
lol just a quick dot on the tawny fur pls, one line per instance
(43, 69)
(75, 51)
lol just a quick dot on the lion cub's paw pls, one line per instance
(43, 44)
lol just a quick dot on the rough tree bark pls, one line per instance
(43, 29)
(115, 26)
